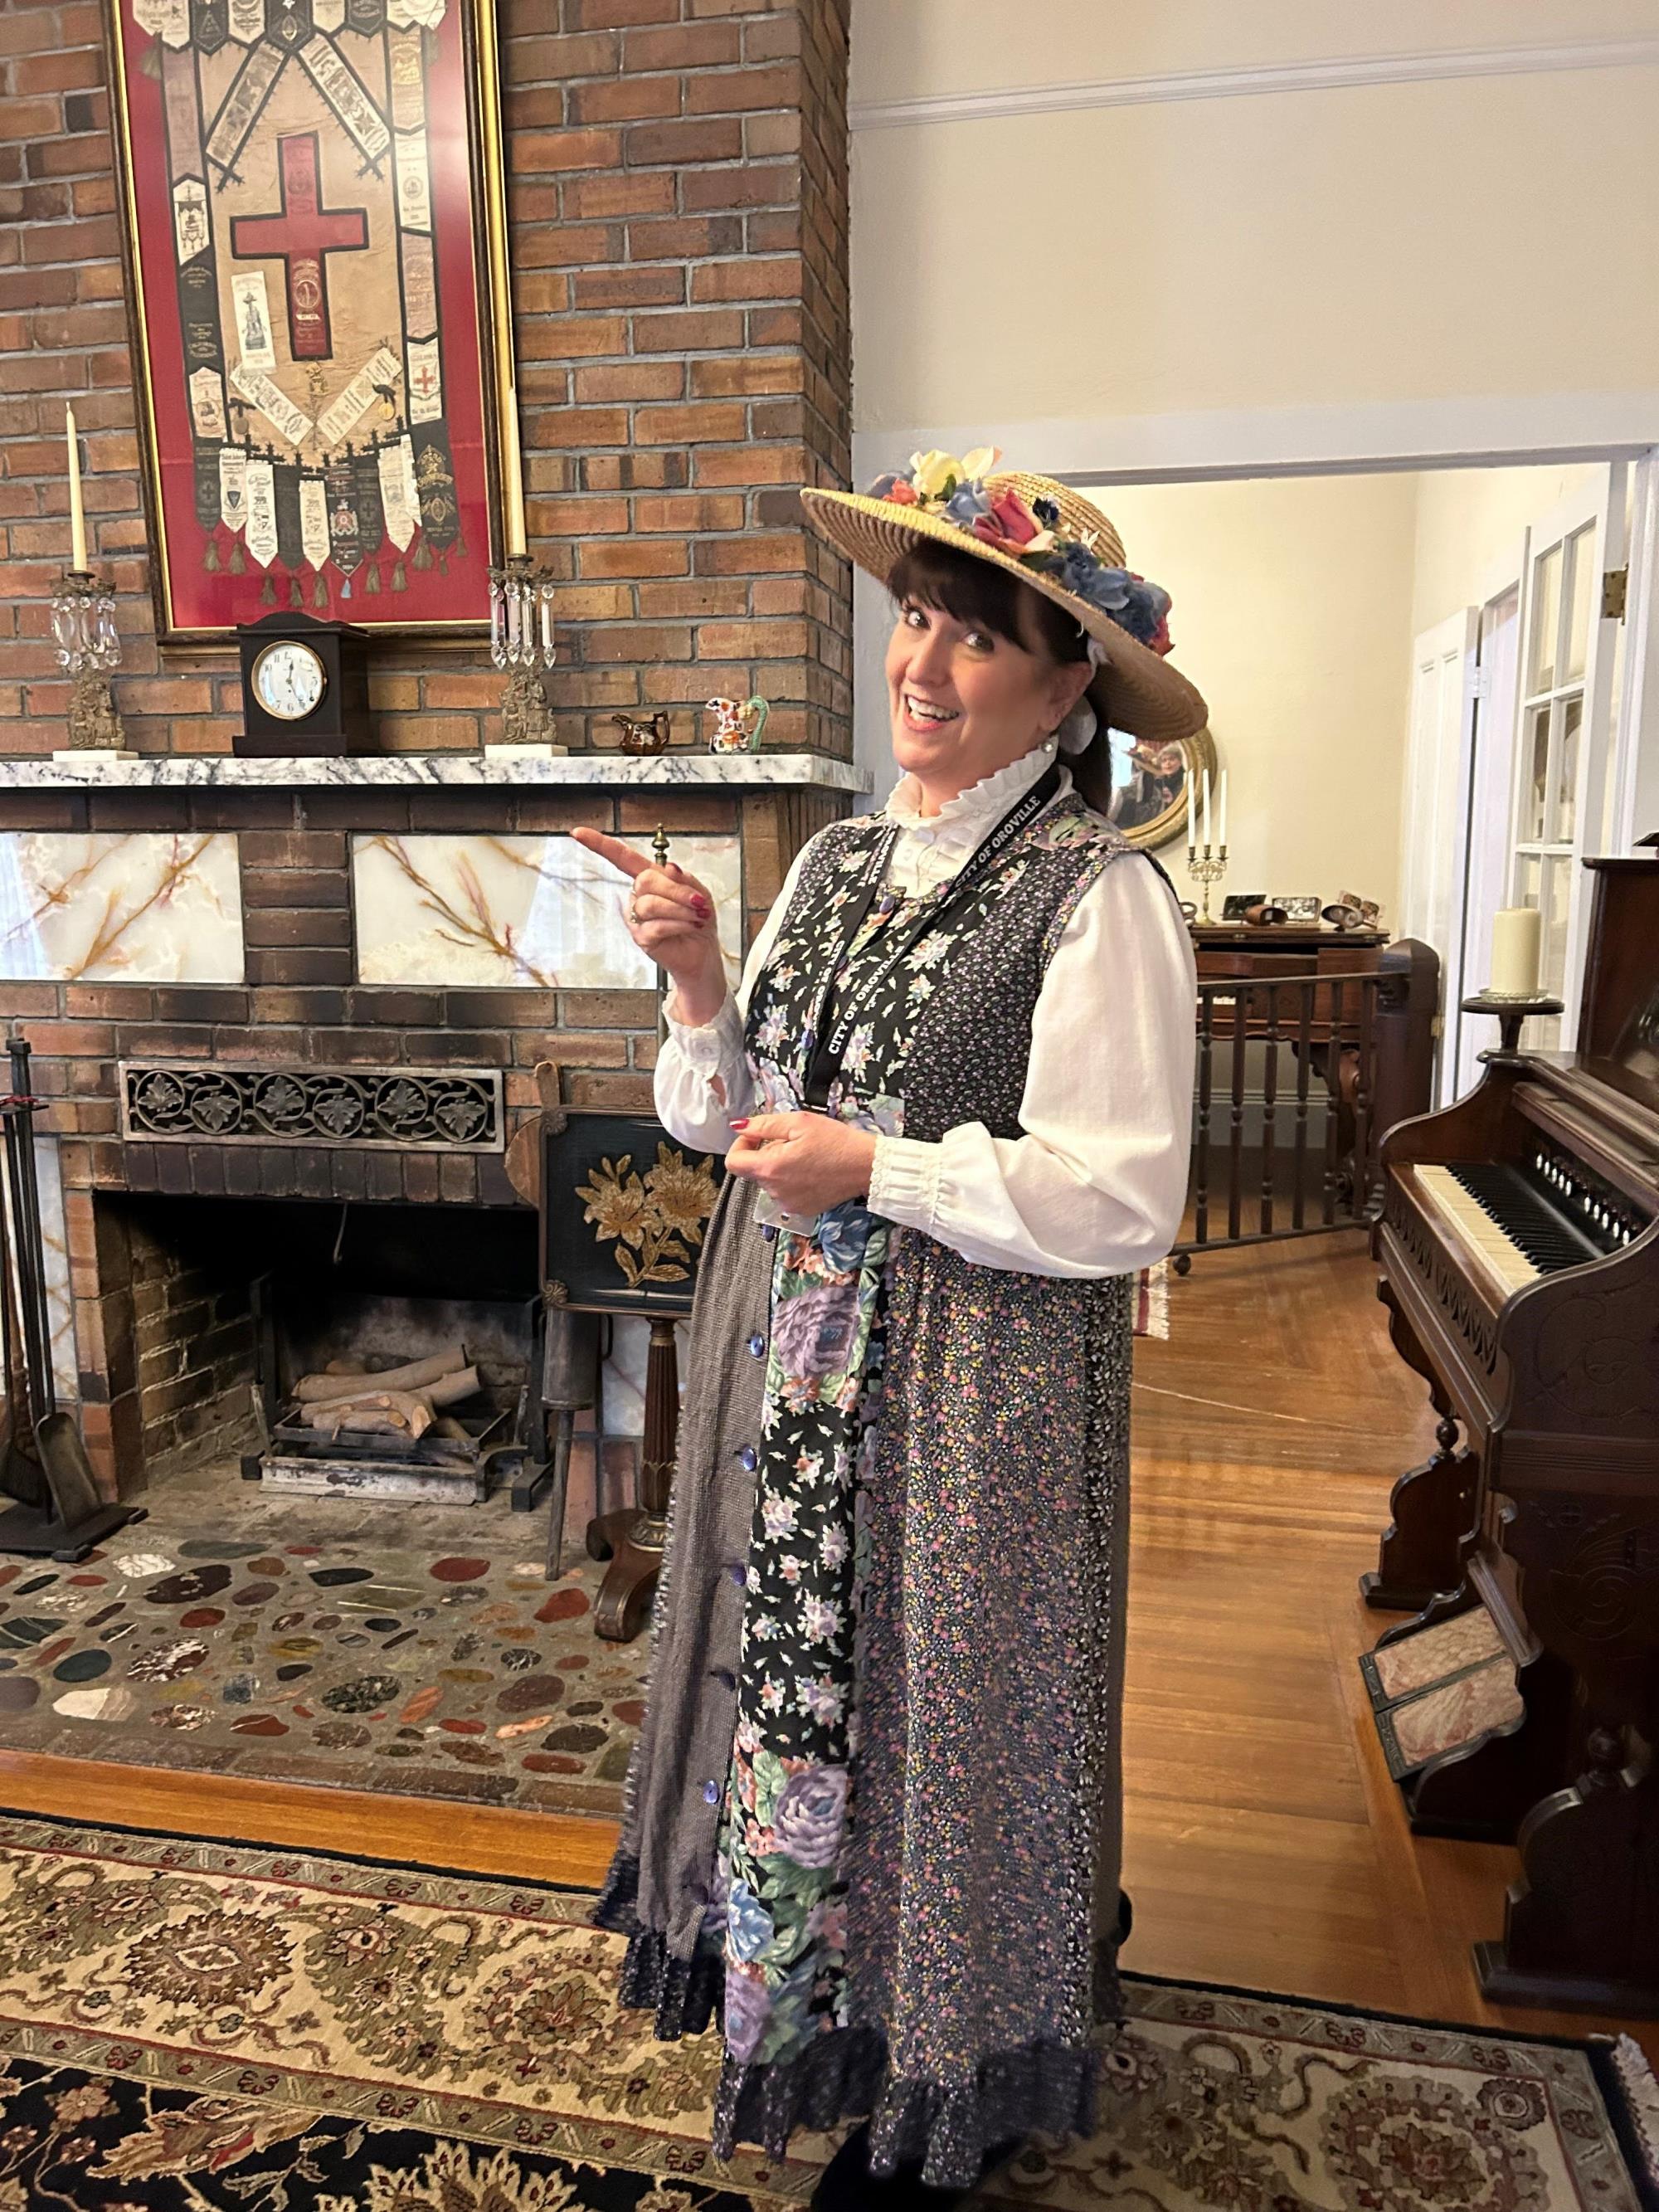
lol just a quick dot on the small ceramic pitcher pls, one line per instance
(738, 725)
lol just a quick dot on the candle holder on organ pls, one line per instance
(1511, 1009)
(88, 647)
(1206, 865)
(521, 642)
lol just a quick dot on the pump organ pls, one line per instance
(1519, 1248)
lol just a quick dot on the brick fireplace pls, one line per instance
(324, 1060)
(678, 236)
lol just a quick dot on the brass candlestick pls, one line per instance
(1208, 865)
(521, 640)
(88, 646)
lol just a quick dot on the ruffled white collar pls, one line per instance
(967, 817)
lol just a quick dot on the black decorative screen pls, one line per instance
(624, 1212)
(435, 1109)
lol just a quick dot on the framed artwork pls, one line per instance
(1236, 904)
(1149, 785)
(1300, 906)
(316, 261)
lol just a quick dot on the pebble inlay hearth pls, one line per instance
(372, 1647)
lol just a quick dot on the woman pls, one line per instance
(872, 1819)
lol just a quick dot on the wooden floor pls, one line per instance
(1266, 1846)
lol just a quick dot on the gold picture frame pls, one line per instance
(471, 345)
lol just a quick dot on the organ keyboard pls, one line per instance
(1516, 1224)
(1519, 1251)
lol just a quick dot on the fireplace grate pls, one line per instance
(412, 1108)
(460, 1464)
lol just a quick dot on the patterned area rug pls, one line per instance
(1440, 1689)
(188, 2026)
(415, 1649)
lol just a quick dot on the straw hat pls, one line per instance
(1052, 538)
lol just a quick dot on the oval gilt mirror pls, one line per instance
(1148, 800)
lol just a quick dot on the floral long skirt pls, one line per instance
(777, 1906)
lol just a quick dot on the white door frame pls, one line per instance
(1435, 829)
(1498, 619)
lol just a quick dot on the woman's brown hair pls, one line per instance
(978, 592)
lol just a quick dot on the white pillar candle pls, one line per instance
(1192, 820)
(78, 512)
(512, 478)
(1206, 810)
(1221, 818)
(1517, 936)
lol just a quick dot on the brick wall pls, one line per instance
(678, 232)
(678, 203)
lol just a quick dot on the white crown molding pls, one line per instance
(1429, 66)
(1311, 441)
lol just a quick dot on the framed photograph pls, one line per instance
(1149, 784)
(1300, 906)
(315, 243)
(1234, 903)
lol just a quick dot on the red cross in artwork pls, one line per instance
(299, 238)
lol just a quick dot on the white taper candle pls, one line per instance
(512, 477)
(78, 512)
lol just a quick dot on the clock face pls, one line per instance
(290, 679)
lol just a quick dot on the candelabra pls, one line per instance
(90, 648)
(1208, 865)
(521, 642)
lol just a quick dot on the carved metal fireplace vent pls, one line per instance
(408, 1109)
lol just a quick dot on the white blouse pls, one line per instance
(1096, 1184)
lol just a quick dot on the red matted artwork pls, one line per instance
(312, 198)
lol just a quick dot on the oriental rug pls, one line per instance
(190, 2027)
(367, 1643)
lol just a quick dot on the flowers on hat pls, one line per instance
(954, 491)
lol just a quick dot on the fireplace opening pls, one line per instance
(239, 1314)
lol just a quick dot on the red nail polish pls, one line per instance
(741, 1124)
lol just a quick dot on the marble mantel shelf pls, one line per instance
(399, 771)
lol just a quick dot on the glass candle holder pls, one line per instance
(88, 649)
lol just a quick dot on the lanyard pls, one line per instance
(831, 1038)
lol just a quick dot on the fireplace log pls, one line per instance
(398, 1410)
(317, 1389)
(448, 1390)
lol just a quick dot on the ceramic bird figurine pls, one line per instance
(639, 737)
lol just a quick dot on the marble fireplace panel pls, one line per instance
(54, 1237)
(538, 911)
(105, 908)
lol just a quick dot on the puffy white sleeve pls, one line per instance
(1096, 1184)
(703, 1076)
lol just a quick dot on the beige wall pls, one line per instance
(910, 49)
(1292, 603)
(1389, 243)
(1470, 523)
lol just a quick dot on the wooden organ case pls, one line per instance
(1519, 1248)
